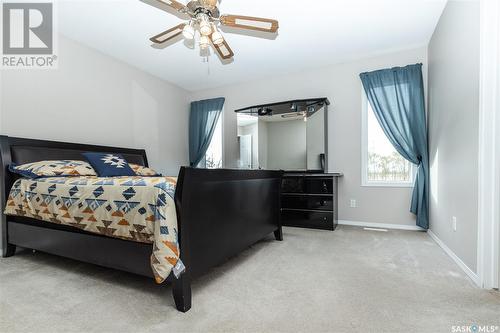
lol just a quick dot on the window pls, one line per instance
(213, 156)
(382, 165)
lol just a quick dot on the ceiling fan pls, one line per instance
(204, 18)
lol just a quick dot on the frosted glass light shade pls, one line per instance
(205, 28)
(204, 42)
(188, 32)
(217, 38)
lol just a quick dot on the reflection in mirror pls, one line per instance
(284, 136)
(248, 138)
(286, 143)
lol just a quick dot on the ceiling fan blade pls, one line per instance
(168, 34)
(223, 50)
(249, 22)
(175, 5)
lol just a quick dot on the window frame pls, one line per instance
(364, 154)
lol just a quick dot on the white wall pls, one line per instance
(453, 128)
(93, 98)
(341, 84)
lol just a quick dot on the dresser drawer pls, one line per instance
(301, 201)
(307, 219)
(293, 185)
(319, 185)
(312, 185)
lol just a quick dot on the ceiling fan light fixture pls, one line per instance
(217, 38)
(204, 18)
(204, 42)
(188, 31)
(205, 27)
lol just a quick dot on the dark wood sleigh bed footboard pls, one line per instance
(219, 212)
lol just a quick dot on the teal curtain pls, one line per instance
(202, 122)
(396, 96)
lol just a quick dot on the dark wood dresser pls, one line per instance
(310, 200)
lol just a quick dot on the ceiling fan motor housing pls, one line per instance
(205, 7)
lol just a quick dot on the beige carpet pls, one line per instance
(349, 280)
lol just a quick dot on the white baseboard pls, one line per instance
(473, 276)
(381, 225)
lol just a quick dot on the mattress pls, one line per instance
(139, 209)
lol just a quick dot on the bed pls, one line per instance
(219, 214)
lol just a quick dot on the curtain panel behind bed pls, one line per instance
(202, 122)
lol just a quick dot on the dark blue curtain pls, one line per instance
(202, 122)
(397, 98)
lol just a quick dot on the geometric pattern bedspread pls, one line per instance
(140, 209)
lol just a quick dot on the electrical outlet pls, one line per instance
(353, 203)
(454, 223)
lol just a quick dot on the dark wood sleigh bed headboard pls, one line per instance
(22, 150)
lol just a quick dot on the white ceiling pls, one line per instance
(313, 33)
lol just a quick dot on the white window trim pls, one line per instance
(364, 153)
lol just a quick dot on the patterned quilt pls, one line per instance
(139, 209)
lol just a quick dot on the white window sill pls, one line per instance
(396, 185)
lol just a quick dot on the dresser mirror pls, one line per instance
(287, 136)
